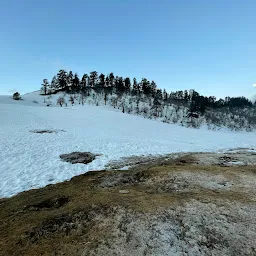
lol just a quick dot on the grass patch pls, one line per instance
(65, 217)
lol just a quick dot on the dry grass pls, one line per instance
(67, 217)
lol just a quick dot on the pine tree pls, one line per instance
(54, 84)
(186, 96)
(76, 83)
(159, 94)
(70, 79)
(172, 95)
(165, 95)
(145, 86)
(120, 85)
(153, 88)
(62, 79)
(116, 82)
(84, 82)
(212, 101)
(197, 104)
(111, 79)
(180, 95)
(135, 87)
(139, 89)
(127, 84)
(107, 81)
(93, 78)
(45, 86)
(102, 80)
(220, 103)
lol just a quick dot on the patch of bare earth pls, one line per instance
(78, 157)
(183, 204)
(46, 131)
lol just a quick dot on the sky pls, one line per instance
(209, 46)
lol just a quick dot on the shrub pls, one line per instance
(61, 101)
(16, 96)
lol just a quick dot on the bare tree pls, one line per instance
(114, 101)
(60, 101)
(82, 98)
(105, 98)
(72, 100)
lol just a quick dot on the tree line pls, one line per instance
(71, 83)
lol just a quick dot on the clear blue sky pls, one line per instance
(207, 45)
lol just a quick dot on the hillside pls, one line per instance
(186, 108)
(181, 204)
(152, 198)
(31, 159)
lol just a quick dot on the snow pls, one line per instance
(236, 163)
(30, 160)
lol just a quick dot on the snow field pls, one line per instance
(29, 160)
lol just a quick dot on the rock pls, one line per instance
(125, 191)
(78, 157)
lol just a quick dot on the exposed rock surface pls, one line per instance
(78, 157)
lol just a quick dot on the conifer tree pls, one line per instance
(135, 87)
(76, 83)
(120, 85)
(159, 94)
(165, 95)
(93, 78)
(145, 86)
(153, 88)
(84, 81)
(102, 80)
(186, 96)
(111, 79)
(62, 79)
(45, 86)
(54, 84)
(127, 84)
(70, 79)
(107, 81)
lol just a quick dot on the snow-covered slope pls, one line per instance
(30, 99)
(29, 160)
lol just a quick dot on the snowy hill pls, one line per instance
(31, 160)
(187, 108)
